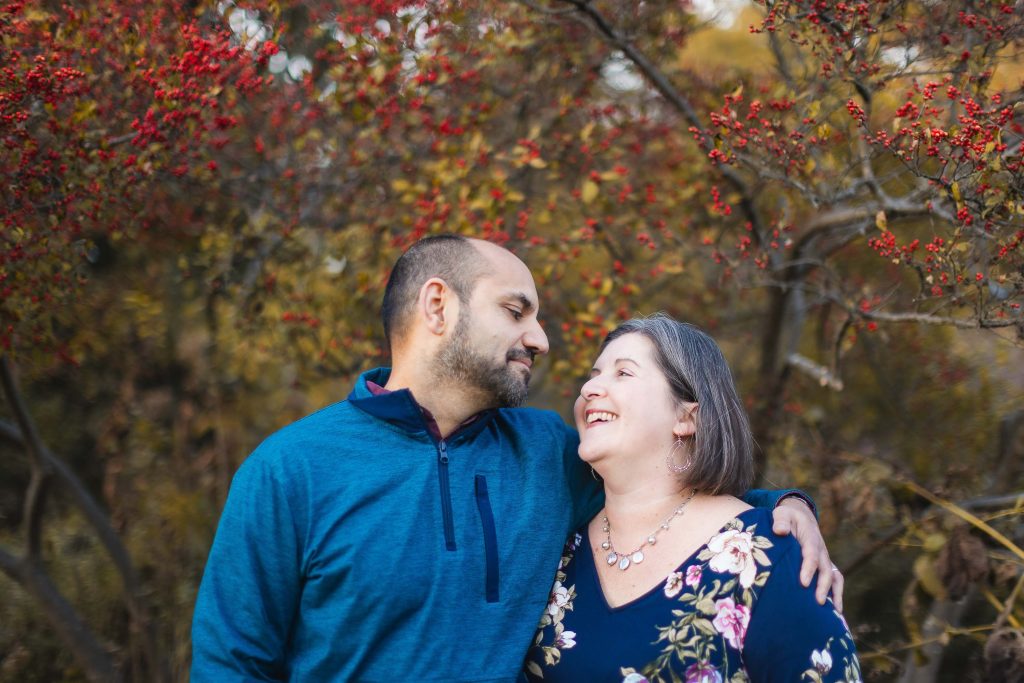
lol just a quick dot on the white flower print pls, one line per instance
(822, 661)
(635, 678)
(566, 640)
(558, 599)
(673, 584)
(733, 553)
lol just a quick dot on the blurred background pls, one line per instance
(202, 202)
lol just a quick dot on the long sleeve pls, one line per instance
(585, 487)
(251, 587)
(770, 498)
(793, 638)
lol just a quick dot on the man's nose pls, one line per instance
(535, 339)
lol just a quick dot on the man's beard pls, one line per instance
(502, 385)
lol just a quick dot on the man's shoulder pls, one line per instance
(308, 434)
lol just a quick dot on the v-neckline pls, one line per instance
(595, 579)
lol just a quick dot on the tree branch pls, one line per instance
(664, 86)
(90, 509)
(88, 651)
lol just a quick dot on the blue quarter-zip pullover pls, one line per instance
(355, 546)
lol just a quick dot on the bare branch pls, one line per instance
(90, 508)
(96, 517)
(31, 441)
(88, 651)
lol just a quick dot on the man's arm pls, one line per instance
(586, 488)
(794, 512)
(251, 586)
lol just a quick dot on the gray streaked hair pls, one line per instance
(721, 450)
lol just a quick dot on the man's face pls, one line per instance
(493, 345)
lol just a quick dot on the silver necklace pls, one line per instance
(624, 560)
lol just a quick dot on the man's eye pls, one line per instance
(518, 315)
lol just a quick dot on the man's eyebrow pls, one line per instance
(525, 301)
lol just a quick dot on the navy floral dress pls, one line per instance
(733, 611)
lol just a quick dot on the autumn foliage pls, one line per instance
(202, 202)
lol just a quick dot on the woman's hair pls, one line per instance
(721, 451)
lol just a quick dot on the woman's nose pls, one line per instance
(591, 388)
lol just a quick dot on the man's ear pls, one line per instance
(438, 305)
(686, 420)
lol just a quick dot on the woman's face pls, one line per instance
(626, 407)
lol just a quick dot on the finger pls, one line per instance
(809, 566)
(838, 582)
(781, 527)
(825, 576)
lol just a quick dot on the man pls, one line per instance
(412, 531)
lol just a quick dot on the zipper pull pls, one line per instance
(443, 448)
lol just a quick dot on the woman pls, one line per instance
(676, 578)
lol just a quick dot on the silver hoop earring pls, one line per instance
(594, 474)
(670, 459)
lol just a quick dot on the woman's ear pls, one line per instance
(686, 420)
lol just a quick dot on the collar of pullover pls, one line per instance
(401, 409)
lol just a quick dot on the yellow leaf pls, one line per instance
(924, 571)
(537, 162)
(587, 130)
(880, 222)
(590, 191)
(84, 110)
(933, 542)
(955, 189)
(606, 286)
(400, 185)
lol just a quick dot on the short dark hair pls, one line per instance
(453, 258)
(721, 450)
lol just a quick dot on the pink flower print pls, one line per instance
(731, 621)
(702, 672)
(693, 573)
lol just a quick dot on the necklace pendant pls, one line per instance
(612, 558)
(624, 563)
(637, 557)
